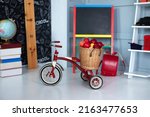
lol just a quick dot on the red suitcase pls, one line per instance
(109, 65)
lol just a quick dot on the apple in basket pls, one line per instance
(97, 46)
(93, 41)
(86, 45)
(100, 44)
(86, 40)
(81, 43)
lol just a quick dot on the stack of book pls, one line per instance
(10, 59)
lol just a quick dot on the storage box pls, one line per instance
(143, 0)
(135, 46)
(146, 42)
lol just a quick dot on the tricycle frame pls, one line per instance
(74, 61)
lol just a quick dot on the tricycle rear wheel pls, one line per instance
(96, 82)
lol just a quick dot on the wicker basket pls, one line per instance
(90, 58)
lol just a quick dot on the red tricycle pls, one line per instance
(51, 73)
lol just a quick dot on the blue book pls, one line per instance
(11, 60)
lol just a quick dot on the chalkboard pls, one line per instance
(43, 29)
(93, 20)
(15, 9)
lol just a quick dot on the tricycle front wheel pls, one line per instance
(45, 74)
(96, 82)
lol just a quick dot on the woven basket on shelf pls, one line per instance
(90, 58)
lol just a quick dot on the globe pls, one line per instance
(7, 29)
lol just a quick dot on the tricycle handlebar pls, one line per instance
(57, 46)
(55, 42)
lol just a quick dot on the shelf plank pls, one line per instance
(138, 74)
(140, 26)
(144, 51)
(142, 3)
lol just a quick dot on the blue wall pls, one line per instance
(124, 19)
(59, 24)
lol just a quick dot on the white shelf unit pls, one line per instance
(133, 53)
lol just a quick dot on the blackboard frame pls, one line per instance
(75, 35)
(93, 19)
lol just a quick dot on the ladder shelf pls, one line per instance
(135, 39)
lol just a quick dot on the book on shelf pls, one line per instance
(10, 65)
(10, 45)
(10, 60)
(10, 72)
(10, 51)
(10, 56)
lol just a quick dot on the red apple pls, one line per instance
(93, 41)
(100, 44)
(86, 45)
(97, 46)
(81, 43)
(86, 40)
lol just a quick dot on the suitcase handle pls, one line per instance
(122, 61)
